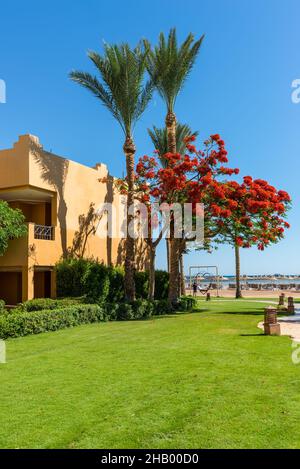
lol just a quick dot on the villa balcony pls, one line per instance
(44, 232)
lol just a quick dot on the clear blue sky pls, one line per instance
(240, 88)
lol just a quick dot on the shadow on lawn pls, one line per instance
(180, 313)
(245, 313)
(259, 334)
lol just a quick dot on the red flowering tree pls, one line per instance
(189, 178)
(248, 214)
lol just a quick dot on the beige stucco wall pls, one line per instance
(43, 186)
(14, 165)
(73, 189)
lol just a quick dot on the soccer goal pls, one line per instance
(206, 278)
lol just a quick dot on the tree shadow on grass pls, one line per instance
(259, 334)
(244, 313)
(179, 313)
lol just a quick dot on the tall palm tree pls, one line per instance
(122, 90)
(159, 139)
(169, 66)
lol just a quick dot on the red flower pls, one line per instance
(239, 241)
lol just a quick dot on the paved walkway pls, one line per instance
(289, 325)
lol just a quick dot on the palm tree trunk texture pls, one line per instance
(238, 293)
(182, 277)
(168, 254)
(151, 290)
(129, 150)
(171, 131)
(173, 242)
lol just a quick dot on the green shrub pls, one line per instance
(96, 283)
(186, 303)
(61, 314)
(161, 285)
(99, 283)
(143, 309)
(39, 304)
(141, 284)
(70, 276)
(116, 284)
(125, 312)
(162, 307)
(21, 324)
(111, 311)
(2, 307)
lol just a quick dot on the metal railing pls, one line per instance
(44, 232)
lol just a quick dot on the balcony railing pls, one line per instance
(44, 232)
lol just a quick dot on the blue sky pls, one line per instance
(240, 88)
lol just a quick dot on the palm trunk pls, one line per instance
(151, 291)
(238, 293)
(129, 150)
(168, 254)
(174, 270)
(173, 242)
(171, 131)
(182, 277)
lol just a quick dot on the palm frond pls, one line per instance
(169, 65)
(120, 83)
(160, 139)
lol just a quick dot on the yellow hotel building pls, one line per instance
(59, 199)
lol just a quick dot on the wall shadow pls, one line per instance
(88, 224)
(54, 170)
(109, 198)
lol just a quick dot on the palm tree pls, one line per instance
(169, 66)
(122, 90)
(159, 139)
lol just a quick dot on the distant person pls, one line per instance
(195, 288)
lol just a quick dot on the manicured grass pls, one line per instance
(209, 379)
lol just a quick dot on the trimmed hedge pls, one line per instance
(60, 314)
(39, 304)
(2, 307)
(21, 324)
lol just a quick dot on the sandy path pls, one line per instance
(289, 325)
(229, 293)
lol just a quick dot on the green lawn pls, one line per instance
(209, 379)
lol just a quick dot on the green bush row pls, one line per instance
(21, 323)
(187, 303)
(100, 283)
(39, 304)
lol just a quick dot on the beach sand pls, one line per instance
(230, 293)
